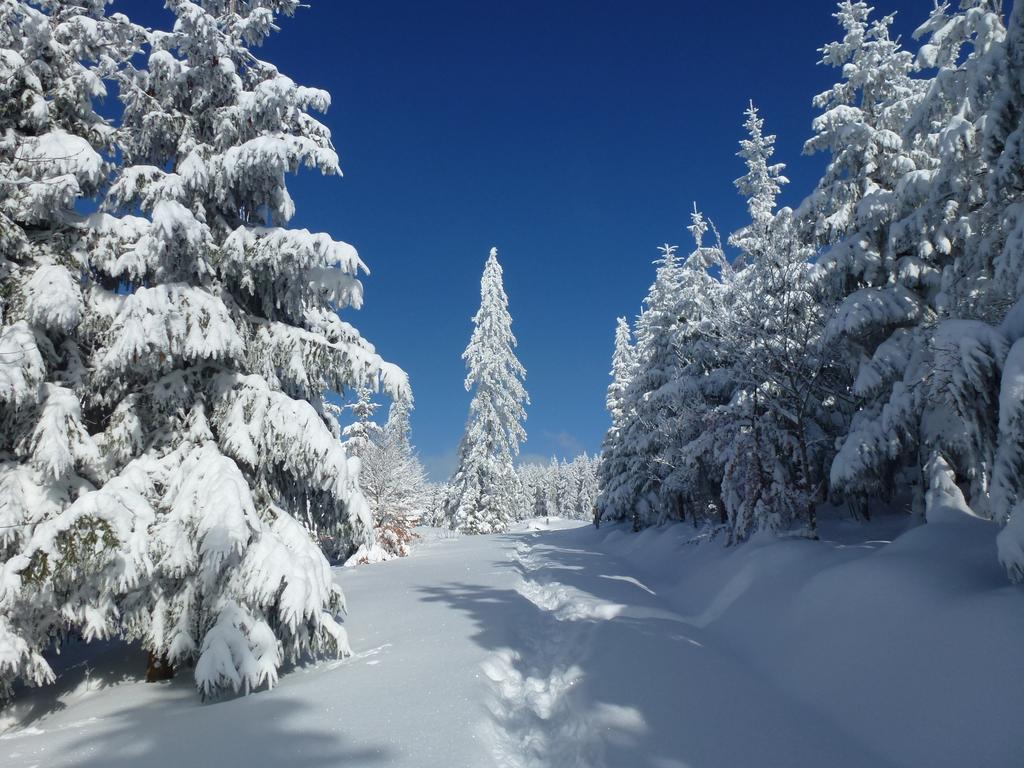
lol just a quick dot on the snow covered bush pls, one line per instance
(393, 482)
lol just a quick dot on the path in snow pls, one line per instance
(524, 650)
(590, 669)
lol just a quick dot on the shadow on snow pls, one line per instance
(588, 667)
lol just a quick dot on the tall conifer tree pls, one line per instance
(485, 493)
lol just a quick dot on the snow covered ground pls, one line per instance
(559, 645)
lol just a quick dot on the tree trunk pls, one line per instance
(805, 470)
(159, 668)
(723, 516)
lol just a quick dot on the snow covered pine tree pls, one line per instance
(771, 332)
(704, 384)
(54, 153)
(921, 304)
(636, 471)
(209, 335)
(485, 494)
(356, 435)
(611, 473)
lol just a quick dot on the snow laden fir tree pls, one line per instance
(485, 494)
(167, 451)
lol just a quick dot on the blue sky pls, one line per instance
(574, 136)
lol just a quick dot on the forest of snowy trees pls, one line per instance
(561, 488)
(189, 436)
(866, 348)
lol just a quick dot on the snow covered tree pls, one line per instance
(760, 186)
(561, 488)
(485, 494)
(55, 152)
(651, 468)
(939, 217)
(433, 505)
(613, 454)
(1003, 244)
(928, 380)
(1002, 214)
(863, 116)
(1007, 484)
(394, 483)
(703, 382)
(533, 479)
(358, 434)
(584, 486)
(623, 366)
(783, 408)
(633, 477)
(209, 336)
(553, 488)
(851, 211)
(772, 336)
(539, 496)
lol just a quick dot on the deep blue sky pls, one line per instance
(574, 136)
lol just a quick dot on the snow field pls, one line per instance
(561, 646)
